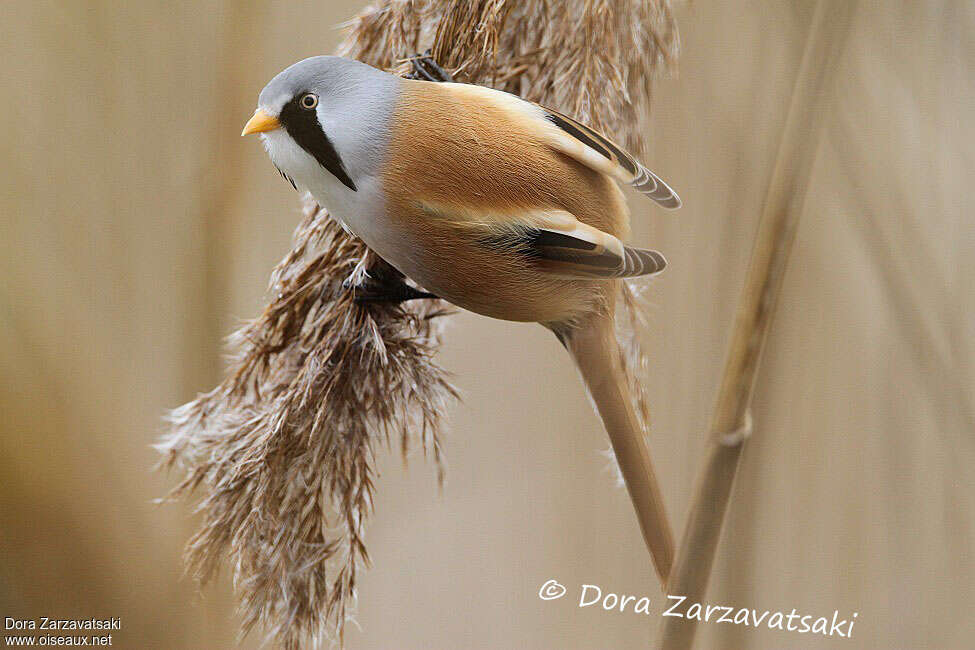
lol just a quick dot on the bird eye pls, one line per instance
(309, 101)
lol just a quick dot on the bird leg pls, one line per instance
(383, 283)
(426, 69)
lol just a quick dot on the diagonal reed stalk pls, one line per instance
(731, 422)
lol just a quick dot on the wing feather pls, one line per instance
(602, 154)
(574, 139)
(566, 255)
(559, 243)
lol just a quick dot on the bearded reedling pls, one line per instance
(493, 203)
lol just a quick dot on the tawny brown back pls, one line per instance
(476, 162)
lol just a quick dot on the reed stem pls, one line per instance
(731, 422)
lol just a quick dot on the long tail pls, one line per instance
(597, 354)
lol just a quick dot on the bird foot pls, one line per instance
(425, 68)
(385, 289)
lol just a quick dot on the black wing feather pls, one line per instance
(643, 180)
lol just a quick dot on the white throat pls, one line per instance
(361, 211)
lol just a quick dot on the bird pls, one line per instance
(491, 202)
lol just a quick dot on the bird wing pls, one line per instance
(602, 154)
(571, 255)
(556, 242)
(578, 141)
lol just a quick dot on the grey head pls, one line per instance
(326, 114)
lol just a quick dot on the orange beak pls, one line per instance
(260, 122)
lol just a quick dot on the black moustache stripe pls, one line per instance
(303, 127)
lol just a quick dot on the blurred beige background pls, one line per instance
(137, 228)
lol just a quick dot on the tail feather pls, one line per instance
(597, 355)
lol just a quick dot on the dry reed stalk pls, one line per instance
(731, 421)
(283, 449)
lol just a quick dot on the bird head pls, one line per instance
(324, 118)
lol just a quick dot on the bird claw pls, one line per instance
(373, 291)
(425, 68)
(383, 283)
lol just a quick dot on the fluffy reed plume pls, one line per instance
(283, 449)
